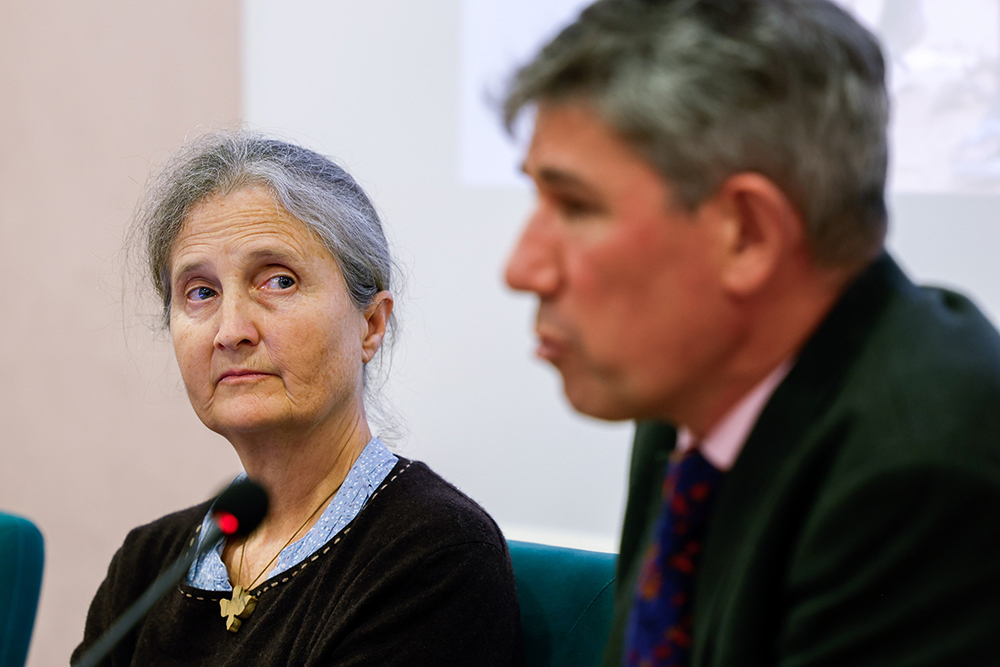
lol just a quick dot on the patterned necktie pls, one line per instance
(659, 626)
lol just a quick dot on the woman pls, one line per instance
(274, 276)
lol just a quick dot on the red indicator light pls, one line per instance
(227, 522)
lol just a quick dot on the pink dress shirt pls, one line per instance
(726, 439)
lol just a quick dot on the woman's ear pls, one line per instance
(377, 317)
(758, 226)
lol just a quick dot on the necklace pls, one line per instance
(239, 607)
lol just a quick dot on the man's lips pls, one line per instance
(550, 348)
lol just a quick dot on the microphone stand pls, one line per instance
(236, 512)
(133, 614)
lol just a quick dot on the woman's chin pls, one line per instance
(241, 423)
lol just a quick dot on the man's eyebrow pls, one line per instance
(558, 177)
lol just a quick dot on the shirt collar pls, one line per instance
(370, 469)
(725, 441)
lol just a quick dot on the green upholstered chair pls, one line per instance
(566, 597)
(21, 559)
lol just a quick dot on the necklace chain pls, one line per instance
(241, 604)
(243, 547)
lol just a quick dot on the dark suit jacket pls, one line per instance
(860, 525)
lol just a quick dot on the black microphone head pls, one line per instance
(240, 508)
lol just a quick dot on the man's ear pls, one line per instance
(758, 227)
(377, 316)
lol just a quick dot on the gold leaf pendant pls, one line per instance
(239, 607)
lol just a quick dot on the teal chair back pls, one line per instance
(21, 558)
(566, 598)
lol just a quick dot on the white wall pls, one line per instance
(381, 85)
(376, 85)
(950, 240)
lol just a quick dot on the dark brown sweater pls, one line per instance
(422, 576)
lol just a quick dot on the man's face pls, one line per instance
(630, 307)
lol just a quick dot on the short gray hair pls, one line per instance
(309, 186)
(704, 89)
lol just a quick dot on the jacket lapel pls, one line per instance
(782, 456)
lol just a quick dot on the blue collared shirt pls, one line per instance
(376, 461)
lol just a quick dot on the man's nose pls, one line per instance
(533, 266)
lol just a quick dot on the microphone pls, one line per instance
(235, 513)
(239, 509)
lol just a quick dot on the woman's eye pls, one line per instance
(280, 282)
(201, 293)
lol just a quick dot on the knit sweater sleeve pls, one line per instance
(145, 552)
(101, 615)
(454, 606)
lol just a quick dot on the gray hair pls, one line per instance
(703, 89)
(307, 185)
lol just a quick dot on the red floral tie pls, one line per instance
(659, 628)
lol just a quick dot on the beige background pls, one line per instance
(95, 437)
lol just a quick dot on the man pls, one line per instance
(707, 251)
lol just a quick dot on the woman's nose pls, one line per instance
(236, 323)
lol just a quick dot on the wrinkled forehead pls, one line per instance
(247, 225)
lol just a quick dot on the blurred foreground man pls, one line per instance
(818, 481)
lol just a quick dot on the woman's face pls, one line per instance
(266, 336)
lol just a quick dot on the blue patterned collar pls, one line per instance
(376, 461)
